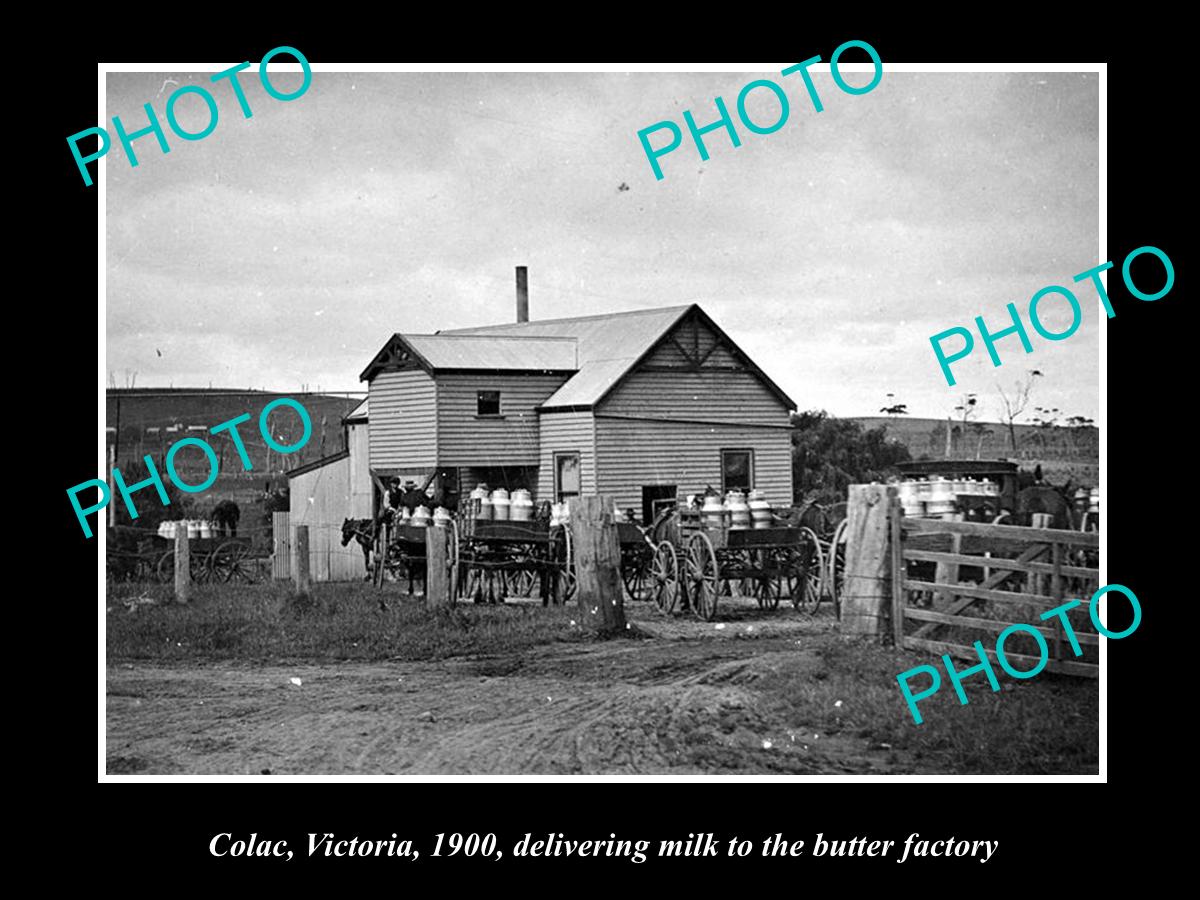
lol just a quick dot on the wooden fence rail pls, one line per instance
(1010, 572)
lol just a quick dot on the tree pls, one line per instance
(893, 408)
(829, 454)
(1045, 420)
(1015, 403)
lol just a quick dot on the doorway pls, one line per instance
(654, 498)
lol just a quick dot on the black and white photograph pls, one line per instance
(682, 422)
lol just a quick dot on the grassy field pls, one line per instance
(519, 688)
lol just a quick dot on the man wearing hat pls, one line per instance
(395, 497)
(412, 497)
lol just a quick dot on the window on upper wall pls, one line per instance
(737, 470)
(566, 476)
(487, 403)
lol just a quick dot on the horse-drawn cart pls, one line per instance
(694, 564)
(495, 560)
(137, 554)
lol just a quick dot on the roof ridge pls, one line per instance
(509, 337)
(610, 315)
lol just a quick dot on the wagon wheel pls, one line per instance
(767, 591)
(564, 568)
(704, 576)
(807, 595)
(636, 580)
(836, 577)
(166, 568)
(664, 577)
(231, 563)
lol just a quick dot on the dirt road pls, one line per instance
(681, 700)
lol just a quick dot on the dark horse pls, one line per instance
(226, 515)
(363, 531)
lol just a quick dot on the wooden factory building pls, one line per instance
(640, 405)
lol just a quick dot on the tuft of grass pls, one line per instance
(268, 623)
(1046, 725)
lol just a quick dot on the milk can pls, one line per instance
(910, 499)
(760, 510)
(206, 529)
(441, 517)
(941, 498)
(713, 512)
(500, 504)
(1094, 500)
(193, 528)
(420, 516)
(521, 508)
(739, 510)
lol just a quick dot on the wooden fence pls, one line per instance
(1011, 569)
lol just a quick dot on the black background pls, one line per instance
(146, 830)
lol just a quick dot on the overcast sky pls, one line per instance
(283, 250)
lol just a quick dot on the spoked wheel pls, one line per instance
(703, 577)
(807, 595)
(836, 578)
(166, 568)
(231, 563)
(564, 568)
(767, 592)
(635, 575)
(664, 578)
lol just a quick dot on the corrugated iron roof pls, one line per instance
(488, 351)
(359, 413)
(607, 346)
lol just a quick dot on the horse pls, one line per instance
(226, 515)
(364, 531)
(1044, 498)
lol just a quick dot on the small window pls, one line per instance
(566, 476)
(737, 470)
(488, 403)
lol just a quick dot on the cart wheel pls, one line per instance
(664, 577)
(807, 595)
(564, 570)
(703, 576)
(767, 591)
(230, 563)
(837, 568)
(166, 569)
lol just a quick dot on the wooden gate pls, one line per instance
(968, 576)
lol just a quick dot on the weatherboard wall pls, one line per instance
(567, 432)
(465, 438)
(632, 453)
(321, 498)
(403, 425)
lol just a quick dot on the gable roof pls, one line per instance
(608, 346)
(360, 413)
(611, 346)
(442, 352)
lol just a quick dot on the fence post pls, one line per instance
(895, 511)
(437, 566)
(183, 564)
(281, 551)
(303, 584)
(1056, 557)
(947, 573)
(597, 564)
(868, 559)
(381, 555)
